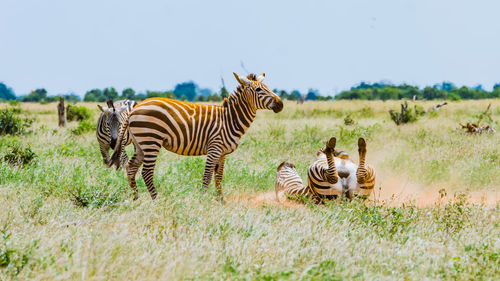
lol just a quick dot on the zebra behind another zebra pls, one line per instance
(193, 129)
(332, 175)
(108, 127)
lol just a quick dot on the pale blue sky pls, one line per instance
(73, 46)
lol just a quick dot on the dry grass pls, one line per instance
(409, 233)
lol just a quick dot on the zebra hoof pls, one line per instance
(136, 196)
(361, 145)
(330, 145)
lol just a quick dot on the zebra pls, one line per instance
(193, 129)
(332, 175)
(109, 124)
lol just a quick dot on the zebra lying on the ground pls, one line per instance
(193, 129)
(108, 127)
(332, 175)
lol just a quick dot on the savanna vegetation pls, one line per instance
(434, 213)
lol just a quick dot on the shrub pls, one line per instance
(77, 113)
(84, 127)
(11, 123)
(405, 116)
(20, 156)
(348, 121)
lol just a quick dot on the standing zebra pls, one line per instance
(193, 129)
(332, 175)
(108, 127)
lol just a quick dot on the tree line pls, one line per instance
(191, 92)
(445, 90)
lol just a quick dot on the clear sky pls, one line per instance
(73, 46)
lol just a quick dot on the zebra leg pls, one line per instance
(123, 158)
(104, 148)
(213, 156)
(132, 166)
(331, 174)
(148, 169)
(361, 171)
(219, 172)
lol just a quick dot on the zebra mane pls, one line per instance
(239, 90)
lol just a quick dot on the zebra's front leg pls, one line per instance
(331, 173)
(104, 152)
(123, 158)
(219, 172)
(213, 156)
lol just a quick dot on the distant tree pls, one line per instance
(140, 97)
(312, 94)
(110, 93)
(128, 93)
(6, 93)
(186, 90)
(294, 95)
(223, 92)
(94, 95)
(496, 86)
(283, 94)
(159, 94)
(35, 96)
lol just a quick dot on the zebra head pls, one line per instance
(112, 121)
(259, 94)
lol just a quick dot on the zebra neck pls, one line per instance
(238, 116)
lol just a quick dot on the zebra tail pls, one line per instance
(117, 151)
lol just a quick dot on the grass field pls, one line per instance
(66, 217)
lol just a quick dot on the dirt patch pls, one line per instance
(394, 192)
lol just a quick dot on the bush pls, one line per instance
(19, 156)
(406, 115)
(11, 123)
(348, 121)
(77, 113)
(84, 127)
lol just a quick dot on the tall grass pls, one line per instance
(68, 218)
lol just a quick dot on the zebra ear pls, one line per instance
(261, 77)
(102, 109)
(241, 79)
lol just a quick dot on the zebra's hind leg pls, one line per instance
(132, 167)
(361, 171)
(148, 168)
(219, 172)
(331, 173)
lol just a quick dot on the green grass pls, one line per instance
(66, 217)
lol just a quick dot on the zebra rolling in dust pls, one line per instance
(193, 129)
(108, 127)
(332, 175)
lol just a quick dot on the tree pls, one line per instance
(185, 90)
(109, 93)
(6, 93)
(311, 94)
(223, 92)
(128, 93)
(294, 95)
(94, 95)
(35, 96)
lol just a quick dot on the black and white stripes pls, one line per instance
(109, 124)
(193, 129)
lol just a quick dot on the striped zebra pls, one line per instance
(109, 125)
(332, 175)
(193, 129)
